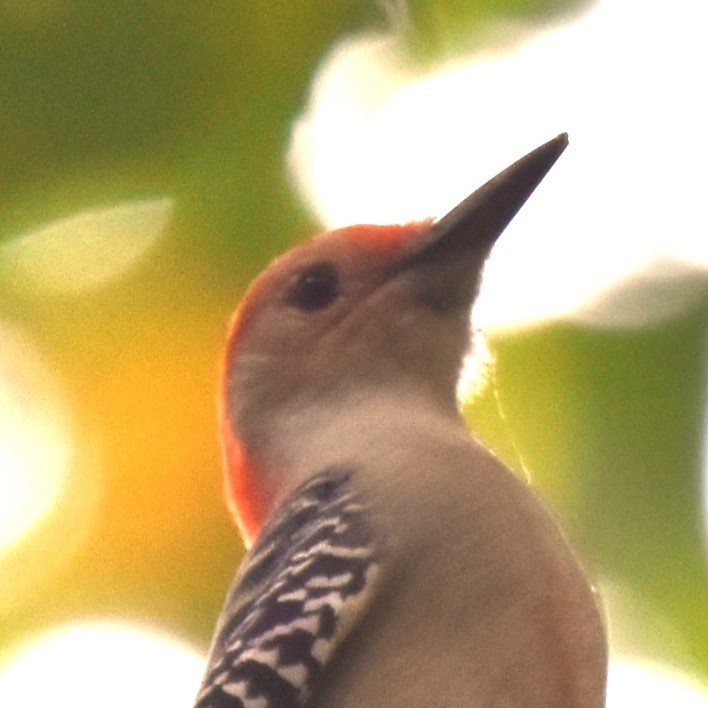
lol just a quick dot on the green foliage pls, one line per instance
(445, 29)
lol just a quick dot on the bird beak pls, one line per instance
(462, 239)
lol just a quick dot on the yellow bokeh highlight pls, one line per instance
(49, 485)
(35, 440)
(85, 250)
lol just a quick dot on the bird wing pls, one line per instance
(299, 591)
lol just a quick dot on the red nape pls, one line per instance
(247, 500)
(384, 239)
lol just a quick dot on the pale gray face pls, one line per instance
(349, 309)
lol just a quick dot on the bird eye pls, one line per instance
(316, 288)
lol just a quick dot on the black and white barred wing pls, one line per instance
(300, 590)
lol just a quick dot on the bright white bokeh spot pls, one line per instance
(378, 143)
(105, 664)
(35, 439)
(650, 685)
(86, 250)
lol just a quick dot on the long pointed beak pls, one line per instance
(483, 216)
(448, 257)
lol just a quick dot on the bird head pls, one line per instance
(357, 310)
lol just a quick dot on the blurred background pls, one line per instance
(155, 155)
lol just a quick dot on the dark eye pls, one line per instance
(316, 288)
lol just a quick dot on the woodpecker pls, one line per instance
(393, 561)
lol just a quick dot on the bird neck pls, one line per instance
(303, 438)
